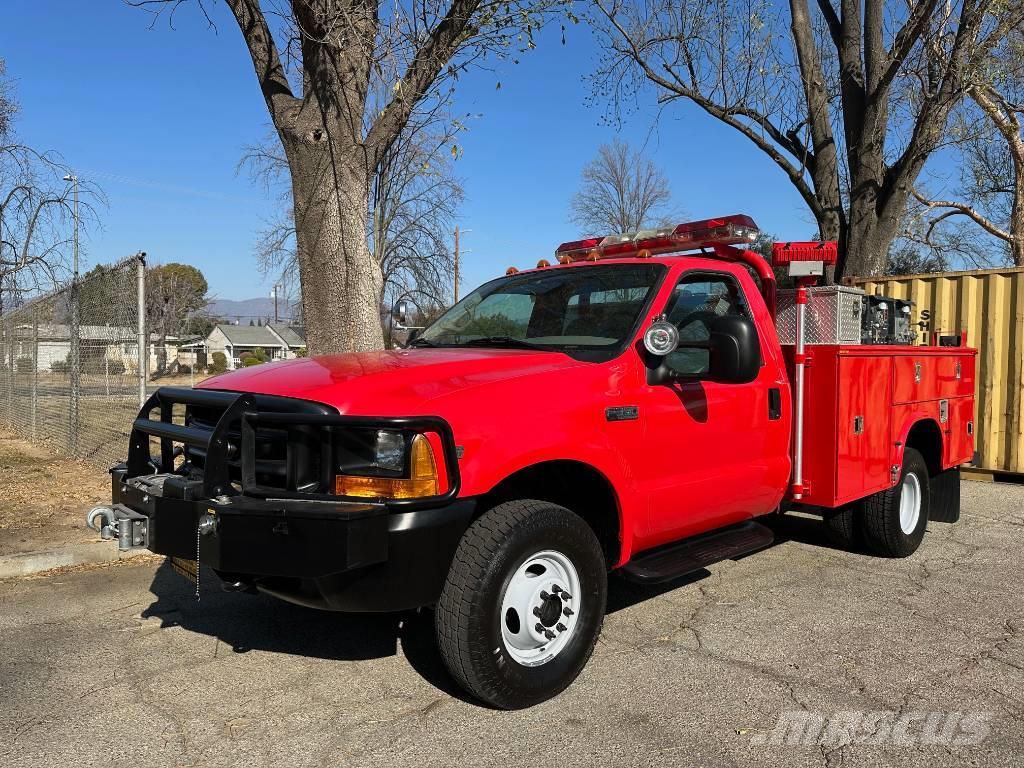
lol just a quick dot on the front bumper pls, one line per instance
(243, 485)
(335, 555)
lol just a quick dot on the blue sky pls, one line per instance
(159, 119)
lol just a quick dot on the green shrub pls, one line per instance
(25, 364)
(101, 366)
(60, 366)
(251, 360)
(220, 363)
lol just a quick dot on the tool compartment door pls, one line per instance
(864, 429)
(931, 377)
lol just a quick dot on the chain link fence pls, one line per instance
(71, 372)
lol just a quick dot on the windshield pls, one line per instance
(580, 308)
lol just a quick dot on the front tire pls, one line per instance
(895, 519)
(523, 603)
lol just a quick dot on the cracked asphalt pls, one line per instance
(120, 666)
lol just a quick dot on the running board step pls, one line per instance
(682, 557)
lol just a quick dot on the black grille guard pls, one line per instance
(241, 412)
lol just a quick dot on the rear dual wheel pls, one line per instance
(895, 520)
(890, 523)
(523, 603)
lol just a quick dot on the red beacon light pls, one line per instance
(725, 230)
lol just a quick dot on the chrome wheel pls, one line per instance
(910, 503)
(540, 608)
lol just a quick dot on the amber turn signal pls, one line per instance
(422, 480)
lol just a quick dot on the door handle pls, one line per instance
(774, 404)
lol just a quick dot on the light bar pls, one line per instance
(726, 230)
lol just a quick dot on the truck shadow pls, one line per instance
(246, 622)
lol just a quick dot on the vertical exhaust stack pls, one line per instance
(806, 263)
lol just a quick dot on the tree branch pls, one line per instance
(265, 58)
(421, 73)
(960, 209)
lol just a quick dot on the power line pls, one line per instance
(158, 185)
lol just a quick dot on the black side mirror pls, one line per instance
(735, 352)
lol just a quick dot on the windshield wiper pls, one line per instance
(419, 341)
(501, 341)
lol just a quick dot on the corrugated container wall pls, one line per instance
(989, 305)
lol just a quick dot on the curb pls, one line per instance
(28, 563)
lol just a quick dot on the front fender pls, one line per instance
(487, 462)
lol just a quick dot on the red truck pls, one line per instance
(627, 409)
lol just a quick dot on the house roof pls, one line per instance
(62, 332)
(292, 335)
(250, 336)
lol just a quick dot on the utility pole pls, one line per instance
(456, 265)
(274, 294)
(74, 191)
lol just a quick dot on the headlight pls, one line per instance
(389, 451)
(386, 465)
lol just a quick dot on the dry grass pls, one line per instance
(179, 380)
(44, 496)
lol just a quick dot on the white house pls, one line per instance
(113, 343)
(279, 341)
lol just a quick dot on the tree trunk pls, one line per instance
(1017, 220)
(1016, 223)
(341, 281)
(868, 238)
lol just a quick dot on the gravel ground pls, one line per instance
(121, 666)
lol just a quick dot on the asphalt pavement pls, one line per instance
(922, 658)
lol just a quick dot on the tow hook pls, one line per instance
(130, 528)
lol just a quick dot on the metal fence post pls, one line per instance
(8, 357)
(75, 369)
(35, 372)
(141, 309)
(12, 379)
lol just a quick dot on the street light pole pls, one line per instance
(76, 354)
(74, 192)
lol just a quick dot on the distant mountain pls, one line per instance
(248, 309)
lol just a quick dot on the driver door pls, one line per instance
(707, 440)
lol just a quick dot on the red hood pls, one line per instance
(395, 382)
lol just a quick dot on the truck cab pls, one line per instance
(629, 408)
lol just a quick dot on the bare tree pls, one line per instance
(413, 205)
(332, 137)
(991, 145)
(7, 105)
(621, 190)
(849, 102)
(35, 213)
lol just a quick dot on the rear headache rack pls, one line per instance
(262, 445)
